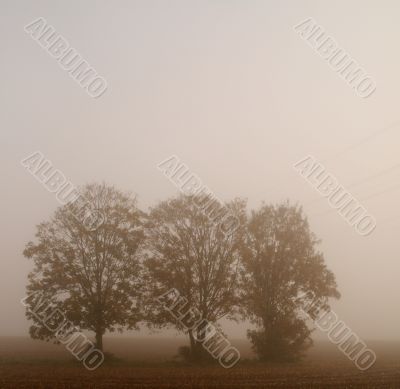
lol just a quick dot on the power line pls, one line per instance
(379, 174)
(391, 189)
(355, 145)
(364, 180)
(368, 178)
(362, 141)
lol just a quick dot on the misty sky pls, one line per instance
(230, 88)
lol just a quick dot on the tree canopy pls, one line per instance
(281, 265)
(109, 276)
(91, 275)
(188, 251)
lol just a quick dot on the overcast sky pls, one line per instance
(230, 88)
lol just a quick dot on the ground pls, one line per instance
(76, 377)
(26, 367)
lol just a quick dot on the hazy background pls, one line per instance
(231, 89)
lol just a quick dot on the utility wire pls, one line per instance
(391, 189)
(355, 145)
(362, 181)
(363, 140)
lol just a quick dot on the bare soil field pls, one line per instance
(300, 376)
(28, 364)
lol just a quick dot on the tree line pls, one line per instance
(110, 278)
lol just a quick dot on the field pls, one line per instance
(148, 364)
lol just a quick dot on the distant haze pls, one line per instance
(231, 89)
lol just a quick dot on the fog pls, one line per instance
(232, 90)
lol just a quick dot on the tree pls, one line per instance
(92, 275)
(281, 270)
(187, 250)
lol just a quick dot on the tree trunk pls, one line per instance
(199, 352)
(99, 339)
(192, 342)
